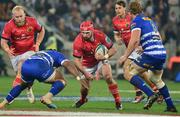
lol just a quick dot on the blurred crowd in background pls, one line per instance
(66, 15)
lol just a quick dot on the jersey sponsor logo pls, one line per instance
(29, 29)
(146, 18)
(127, 25)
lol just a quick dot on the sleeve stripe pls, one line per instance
(110, 46)
(40, 29)
(76, 56)
(135, 29)
(115, 31)
(4, 38)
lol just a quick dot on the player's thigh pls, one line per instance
(126, 69)
(157, 78)
(135, 69)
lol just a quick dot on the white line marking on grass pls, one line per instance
(13, 113)
(131, 91)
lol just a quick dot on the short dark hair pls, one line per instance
(135, 8)
(121, 3)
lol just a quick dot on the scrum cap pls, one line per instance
(86, 26)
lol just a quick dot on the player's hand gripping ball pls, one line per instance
(100, 52)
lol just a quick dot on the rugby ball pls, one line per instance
(101, 49)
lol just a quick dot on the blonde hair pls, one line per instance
(17, 8)
(135, 8)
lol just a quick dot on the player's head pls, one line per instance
(86, 29)
(18, 15)
(120, 8)
(135, 8)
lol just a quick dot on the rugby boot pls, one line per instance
(79, 103)
(119, 106)
(48, 103)
(30, 95)
(171, 109)
(150, 101)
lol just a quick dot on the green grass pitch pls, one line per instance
(98, 89)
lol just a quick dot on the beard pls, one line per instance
(20, 23)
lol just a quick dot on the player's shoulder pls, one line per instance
(30, 18)
(98, 32)
(128, 16)
(78, 38)
(9, 23)
(137, 19)
(115, 18)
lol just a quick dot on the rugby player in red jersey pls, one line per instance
(88, 62)
(20, 31)
(121, 25)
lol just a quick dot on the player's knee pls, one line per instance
(127, 76)
(158, 82)
(63, 82)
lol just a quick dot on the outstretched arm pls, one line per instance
(81, 69)
(70, 66)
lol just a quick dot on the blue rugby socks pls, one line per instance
(15, 92)
(57, 86)
(139, 83)
(165, 92)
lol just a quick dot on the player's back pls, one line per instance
(150, 38)
(51, 57)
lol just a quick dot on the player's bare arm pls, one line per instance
(135, 36)
(112, 51)
(72, 69)
(5, 46)
(39, 39)
(117, 37)
(79, 66)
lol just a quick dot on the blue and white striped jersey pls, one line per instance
(41, 65)
(150, 37)
(52, 57)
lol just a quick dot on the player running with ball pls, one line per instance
(88, 63)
